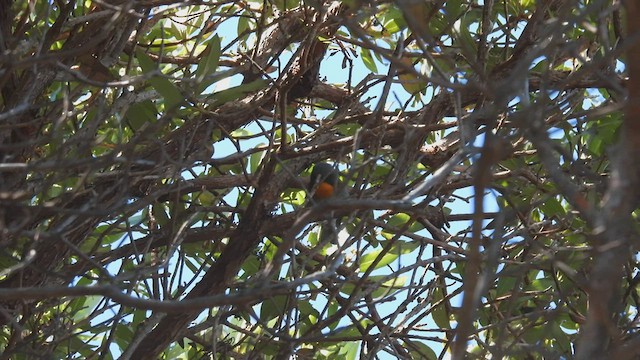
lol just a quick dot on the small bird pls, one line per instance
(324, 179)
(324, 185)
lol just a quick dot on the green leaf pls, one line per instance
(346, 332)
(393, 21)
(250, 266)
(159, 211)
(124, 331)
(348, 129)
(206, 198)
(255, 160)
(286, 4)
(368, 61)
(527, 3)
(388, 286)
(145, 61)
(348, 350)
(209, 64)
(171, 94)
(308, 315)
(439, 313)
(464, 40)
(542, 284)
(273, 307)
(367, 260)
(87, 307)
(552, 207)
(240, 132)
(452, 10)
(506, 284)
(419, 350)
(234, 93)
(141, 113)
(244, 24)
(399, 221)
(294, 197)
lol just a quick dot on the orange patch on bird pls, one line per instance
(323, 191)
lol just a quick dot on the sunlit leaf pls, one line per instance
(368, 60)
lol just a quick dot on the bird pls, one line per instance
(324, 185)
(324, 181)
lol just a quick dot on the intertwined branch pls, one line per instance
(154, 171)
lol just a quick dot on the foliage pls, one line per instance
(155, 159)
